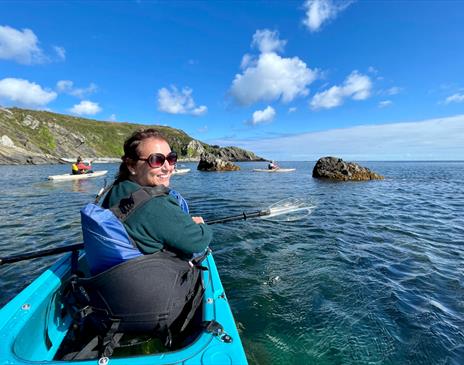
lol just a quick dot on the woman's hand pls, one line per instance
(198, 220)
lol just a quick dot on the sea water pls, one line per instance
(375, 275)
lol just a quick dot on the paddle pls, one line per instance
(40, 253)
(290, 209)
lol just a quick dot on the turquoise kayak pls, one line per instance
(34, 324)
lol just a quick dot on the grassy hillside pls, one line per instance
(62, 135)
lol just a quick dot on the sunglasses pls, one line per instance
(157, 159)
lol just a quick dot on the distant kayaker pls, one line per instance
(160, 226)
(272, 165)
(80, 167)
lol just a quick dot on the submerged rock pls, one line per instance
(209, 162)
(336, 169)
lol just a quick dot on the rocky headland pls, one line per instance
(42, 137)
(334, 168)
(210, 162)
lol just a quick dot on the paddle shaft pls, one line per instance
(238, 217)
(80, 246)
(40, 253)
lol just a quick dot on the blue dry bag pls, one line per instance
(106, 241)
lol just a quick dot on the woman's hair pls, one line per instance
(131, 145)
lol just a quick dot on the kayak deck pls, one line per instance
(34, 324)
(78, 176)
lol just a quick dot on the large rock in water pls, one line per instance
(336, 169)
(209, 162)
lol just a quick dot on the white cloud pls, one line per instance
(292, 109)
(435, 139)
(455, 98)
(64, 85)
(319, 12)
(247, 60)
(112, 118)
(86, 107)
(67, 87)
(263, 116)
(385, 103)
(60, 52)
(20, 46)
(271, 77)
(179, 102)
(356, 86)
(268, 41)
(393, 90)
(24, 93)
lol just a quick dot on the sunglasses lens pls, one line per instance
(172, 158)
(156, 160)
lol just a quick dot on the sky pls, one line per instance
(288, 80)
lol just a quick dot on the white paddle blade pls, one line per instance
(290, 209)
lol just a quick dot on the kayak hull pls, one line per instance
(274, 170)
(33, 325)
(66, 177)
(180, 171)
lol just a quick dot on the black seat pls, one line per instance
(146, 295)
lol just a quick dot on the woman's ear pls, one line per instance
(131, 166)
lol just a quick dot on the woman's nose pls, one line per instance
(165, 164)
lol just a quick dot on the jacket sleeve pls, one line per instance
(163, 222)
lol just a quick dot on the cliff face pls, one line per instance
(35, 137)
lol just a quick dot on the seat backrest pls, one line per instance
(146, 294)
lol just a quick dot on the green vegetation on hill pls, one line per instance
(60, 135)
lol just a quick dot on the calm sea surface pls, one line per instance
(375, 275)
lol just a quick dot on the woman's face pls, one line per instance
(145, 175)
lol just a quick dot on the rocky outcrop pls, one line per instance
(20, 156)
(336, 169)
(235, 154)
(209, 162)
(195, 149)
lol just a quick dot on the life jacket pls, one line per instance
(106, 241)
(157, 294)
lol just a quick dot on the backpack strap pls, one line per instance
(127, 206)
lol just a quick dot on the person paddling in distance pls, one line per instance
(79, 167)
(272, 165)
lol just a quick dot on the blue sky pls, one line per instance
(289, 80)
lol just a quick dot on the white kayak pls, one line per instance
(181, 171)
(274, 170)
(77, 177)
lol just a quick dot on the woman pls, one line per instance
(159, 292)
(160, 223)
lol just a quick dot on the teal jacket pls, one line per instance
(160, 223)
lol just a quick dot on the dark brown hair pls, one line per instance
(131, 145)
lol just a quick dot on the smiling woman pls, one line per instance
(157, 221)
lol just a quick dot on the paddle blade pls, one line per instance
(290, 209)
